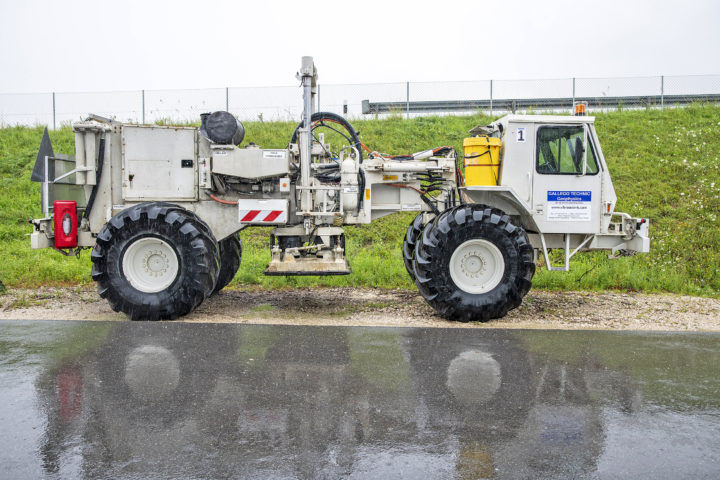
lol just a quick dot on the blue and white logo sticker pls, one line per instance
(569, 205)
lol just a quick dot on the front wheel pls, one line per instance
(473, 263)
(155, 261)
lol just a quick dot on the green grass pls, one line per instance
(664, 166)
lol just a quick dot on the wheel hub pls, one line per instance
(155, 263)
(473, 264)
(150, 264)
(477, 266)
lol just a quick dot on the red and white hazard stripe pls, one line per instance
(263, 212)
(263, 216)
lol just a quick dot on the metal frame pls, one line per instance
(566, 249)
(46, 181)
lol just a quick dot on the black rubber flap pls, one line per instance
(45, 150)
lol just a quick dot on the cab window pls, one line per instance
(560, 151)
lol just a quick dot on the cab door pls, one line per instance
(566, 180)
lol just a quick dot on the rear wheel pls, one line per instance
(155, 261)
(473, 263)
(411, 237)
(230, 258)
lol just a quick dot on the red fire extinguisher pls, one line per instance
(65, 217)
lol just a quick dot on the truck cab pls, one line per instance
(553, 180)
(555, 164)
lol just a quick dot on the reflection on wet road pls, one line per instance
(178, 400)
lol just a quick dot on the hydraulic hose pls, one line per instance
(361, 189)
(333, 118)
(93, 193)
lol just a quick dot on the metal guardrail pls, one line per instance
(512, 105)
(407, 98)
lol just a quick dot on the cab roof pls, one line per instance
(565, 119)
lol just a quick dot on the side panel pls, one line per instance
(159, 163)
(252, 163)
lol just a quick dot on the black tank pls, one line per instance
(222, 127)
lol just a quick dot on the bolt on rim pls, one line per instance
(477, 266)
(150, 265)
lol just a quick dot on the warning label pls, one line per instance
(410, 207)
(274, 154)
(569, 206)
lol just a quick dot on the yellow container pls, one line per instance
(482, 160)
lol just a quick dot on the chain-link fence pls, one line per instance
(359, 100)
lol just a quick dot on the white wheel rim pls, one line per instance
(150, 265)
(477, 266)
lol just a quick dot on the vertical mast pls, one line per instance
(308, 77)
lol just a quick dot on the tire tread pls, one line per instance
(199, 261)
(434, 249)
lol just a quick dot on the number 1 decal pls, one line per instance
(521, 134)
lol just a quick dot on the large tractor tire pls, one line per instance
(411, 237)
(473, 263)
(230, 258)
(155, 261)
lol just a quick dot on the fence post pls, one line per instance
(491, 98)
(53, 98)
(407, 98)
(573, 105)
(662, 92)
(143, 106)
(318, 99)
(227, 99)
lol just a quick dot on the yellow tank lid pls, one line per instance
(481, 141)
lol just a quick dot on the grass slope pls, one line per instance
(664, 166)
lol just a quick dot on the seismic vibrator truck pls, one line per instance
(161, 206)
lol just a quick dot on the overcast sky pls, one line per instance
(74, 46)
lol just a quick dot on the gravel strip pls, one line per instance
(380, 307)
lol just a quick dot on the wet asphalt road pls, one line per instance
(179, 400)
